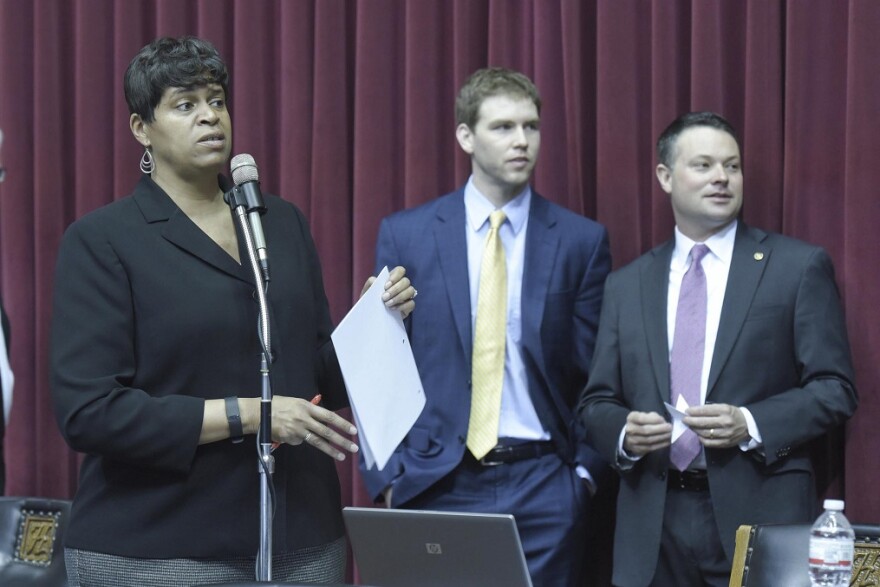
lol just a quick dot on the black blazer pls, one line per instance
(782, 352)
(151, 318)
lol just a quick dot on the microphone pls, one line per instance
(247, 183)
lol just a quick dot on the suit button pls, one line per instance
(663, 476)
(461, 439)
(469, 384)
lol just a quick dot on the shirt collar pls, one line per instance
(477, 207)
(720, 245)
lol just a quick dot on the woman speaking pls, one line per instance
(155, 358)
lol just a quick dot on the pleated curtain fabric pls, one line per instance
(487, 370)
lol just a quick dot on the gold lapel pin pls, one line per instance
(759, 256)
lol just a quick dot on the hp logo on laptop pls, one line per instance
(433, 548)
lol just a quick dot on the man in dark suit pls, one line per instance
(5, 370)
(527, 456)
(755, 329)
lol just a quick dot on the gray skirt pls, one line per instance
(318, 564)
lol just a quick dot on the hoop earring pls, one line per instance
(147, 163)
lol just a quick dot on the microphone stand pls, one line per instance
(236, 201)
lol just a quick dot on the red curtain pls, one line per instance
(347, 106)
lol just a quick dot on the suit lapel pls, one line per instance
(451, 243)
(542, 246)
(750, 257)
(654, 292)
(177, 228)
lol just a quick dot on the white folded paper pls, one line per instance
(380, 374)
(678, 413)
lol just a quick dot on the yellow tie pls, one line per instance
(487, 371)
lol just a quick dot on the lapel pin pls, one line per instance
(759, 256)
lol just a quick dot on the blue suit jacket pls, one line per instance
(566, 261)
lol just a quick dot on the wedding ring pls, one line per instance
(415, 293)
(306, 439)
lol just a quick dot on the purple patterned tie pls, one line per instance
(688, 348)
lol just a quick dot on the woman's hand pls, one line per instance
(296, 420)
(399, 292)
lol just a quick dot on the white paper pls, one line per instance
(380, 374)
(678, 413)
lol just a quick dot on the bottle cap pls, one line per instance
(833, 504)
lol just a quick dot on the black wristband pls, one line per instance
(233, 416)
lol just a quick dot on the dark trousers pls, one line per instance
(544, 494)
(690, 547)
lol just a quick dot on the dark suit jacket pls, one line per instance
(151, 318)
(781, 351)
(566, 262)
(5, 322)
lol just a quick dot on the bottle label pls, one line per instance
(831, 551)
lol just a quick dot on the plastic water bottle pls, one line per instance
(832, 542)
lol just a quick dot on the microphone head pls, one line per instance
(244, 169)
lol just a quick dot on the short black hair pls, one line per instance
(185, 62)
(488, 82)
(669, 137)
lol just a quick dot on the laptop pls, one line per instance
(417, 548)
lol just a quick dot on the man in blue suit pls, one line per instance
(536, 465)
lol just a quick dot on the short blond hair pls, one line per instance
(489, 82)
